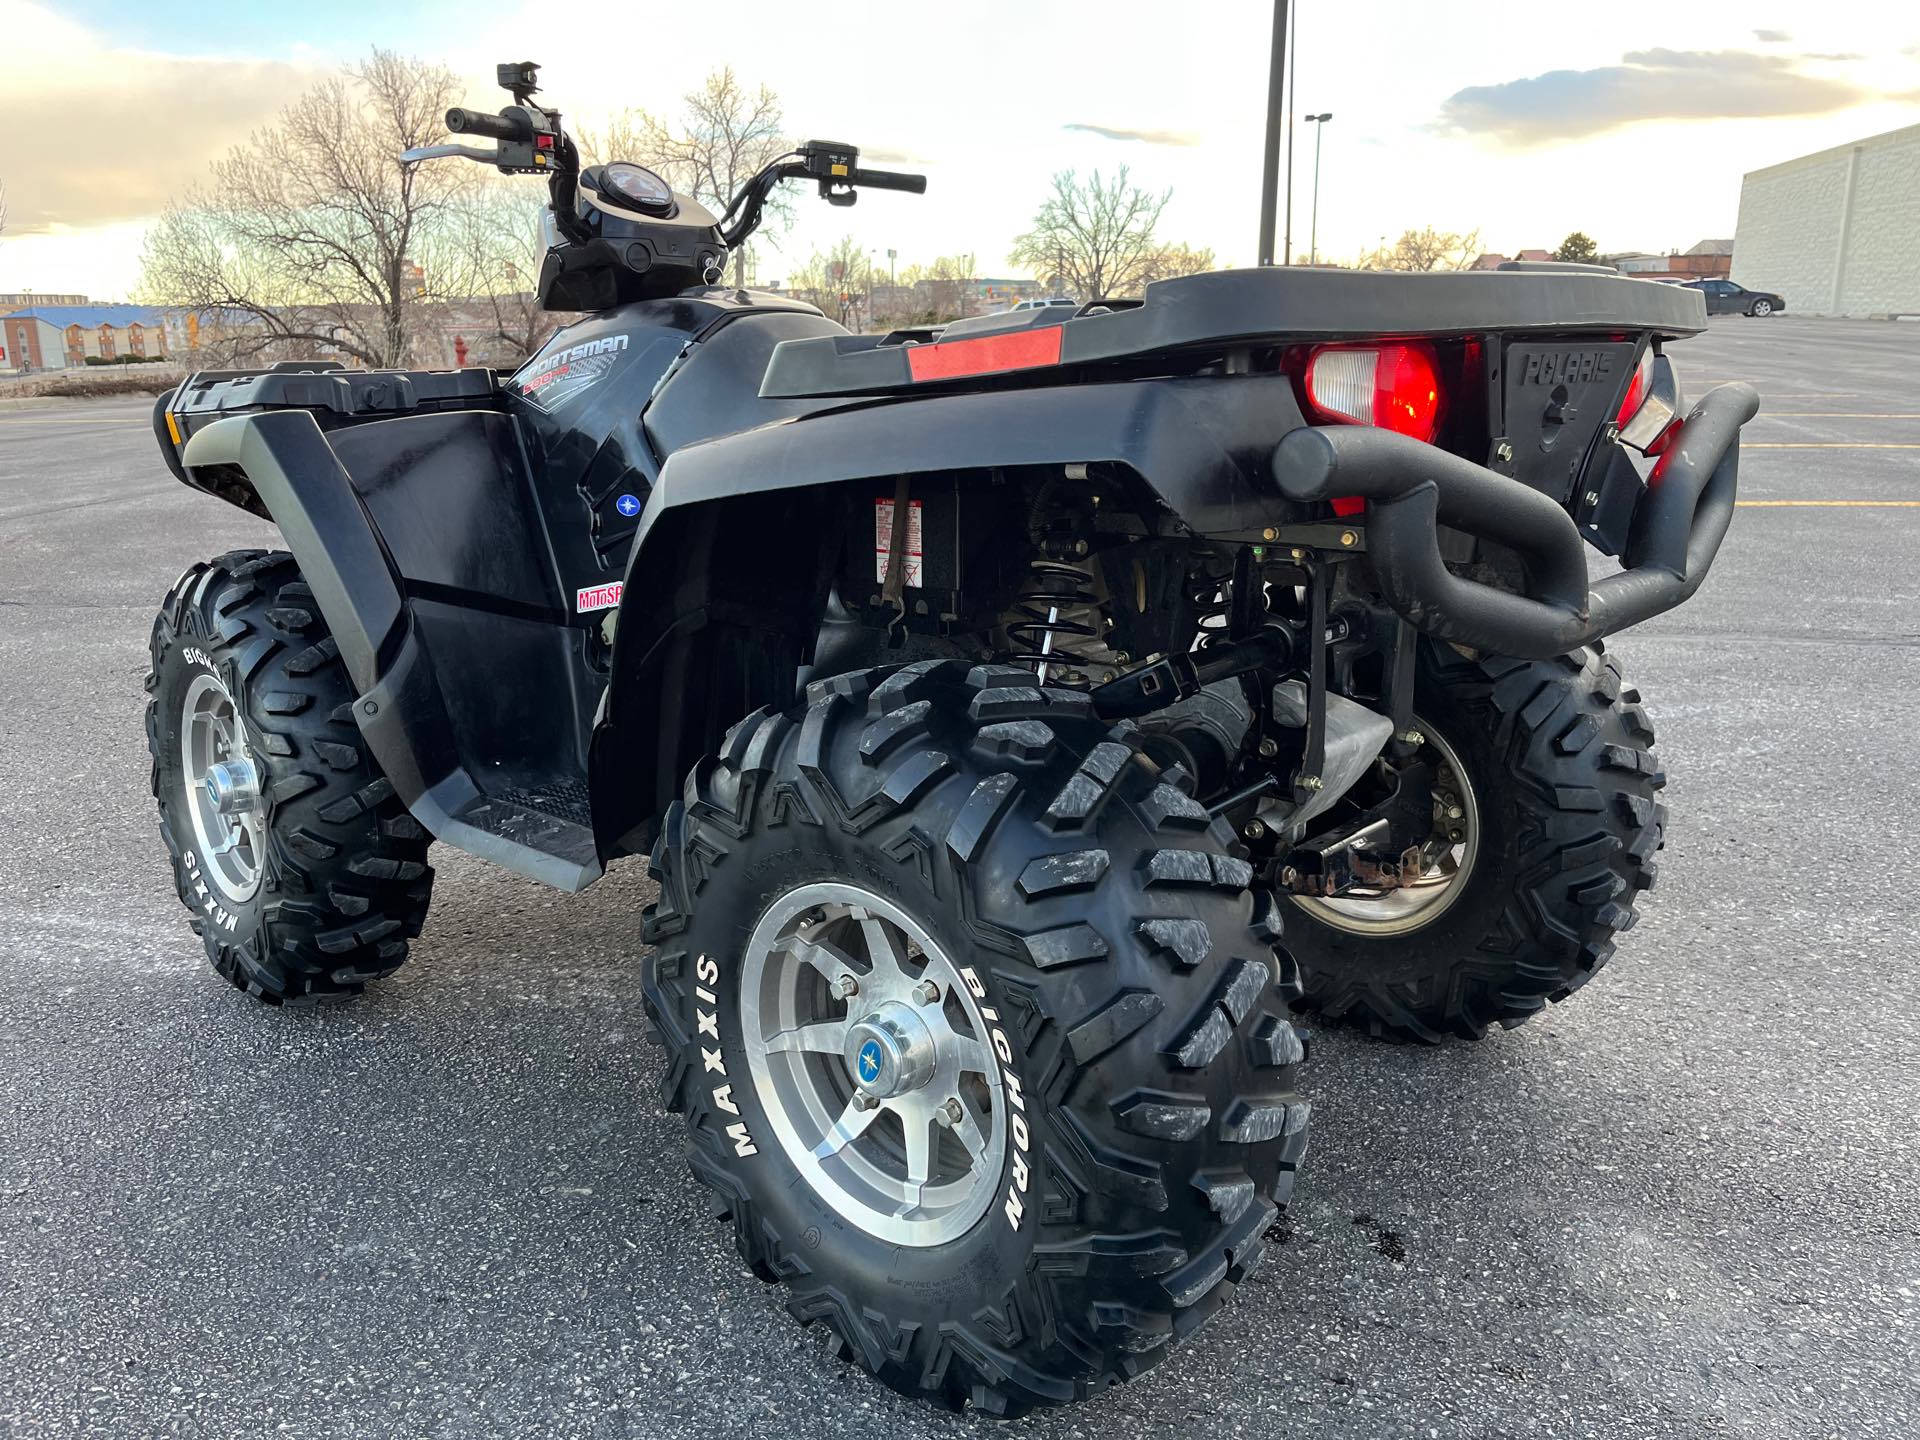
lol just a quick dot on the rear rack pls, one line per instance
(1221, 309)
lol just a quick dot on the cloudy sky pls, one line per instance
(1633, 123)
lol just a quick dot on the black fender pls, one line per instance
(727, 580)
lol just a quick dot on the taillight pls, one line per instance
(1649, 414)
(1396, 387)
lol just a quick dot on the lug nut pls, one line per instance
(1454, 812)
(845, 987)
(863, 1101)
(926, 992)
(950, 1114)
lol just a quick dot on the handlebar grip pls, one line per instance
(477, 122)
(889, 180)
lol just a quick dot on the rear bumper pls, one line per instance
(1412, 489)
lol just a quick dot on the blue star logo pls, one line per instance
(628, 505)
(869, 1062)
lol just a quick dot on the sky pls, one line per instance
(1523, 121)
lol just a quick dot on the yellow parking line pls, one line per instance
(1831, 504)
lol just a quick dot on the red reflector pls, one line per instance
(1396, 387)
(950, 359)
(1348, 504)
(543, 142)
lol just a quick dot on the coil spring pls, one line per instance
(1055, 617)
(1210, 591)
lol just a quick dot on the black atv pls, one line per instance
(989, 700)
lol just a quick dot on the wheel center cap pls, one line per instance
(890, 1051)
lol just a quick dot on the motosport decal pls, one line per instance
(547, 380)
(589, 598)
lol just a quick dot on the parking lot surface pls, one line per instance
(1685, 1204)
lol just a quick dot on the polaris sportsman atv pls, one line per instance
(989, 699)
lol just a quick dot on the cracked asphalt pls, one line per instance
(1685, 1204)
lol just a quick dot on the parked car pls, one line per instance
(1057, 301)
(1726, 298)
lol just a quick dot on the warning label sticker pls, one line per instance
(883, 542)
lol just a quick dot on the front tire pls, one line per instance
(1761, 308)
(1558, 763)
(311, 887)
(1130, 1097)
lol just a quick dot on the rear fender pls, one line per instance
(728, 578)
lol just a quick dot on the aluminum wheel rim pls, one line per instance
(211, 733)
(829, 963)
(1363, 911)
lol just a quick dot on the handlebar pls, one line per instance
(889, 180)
(477, 122)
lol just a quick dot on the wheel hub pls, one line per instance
(1424, 883)
(890, 1052)
(232, 786)
(224, 799)
(870, 1058)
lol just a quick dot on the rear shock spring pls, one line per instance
(1210, 592)
(1054, 619)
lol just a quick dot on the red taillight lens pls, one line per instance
(1396, 387)
(1636, 389)
(1649, 415)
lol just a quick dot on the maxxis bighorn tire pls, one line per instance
(344, 882)
(1115, 938)
(1560, 755)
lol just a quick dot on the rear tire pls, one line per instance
(1129, 981)
(1559, 757)
(330, 880)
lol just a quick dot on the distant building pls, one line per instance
(11, 300)
(61, 337)
(1834, 231)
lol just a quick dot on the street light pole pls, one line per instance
(1319, 122)
(1276, 114)
(1293, 64)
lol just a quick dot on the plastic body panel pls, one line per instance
(1207, 313)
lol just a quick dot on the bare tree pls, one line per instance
(936, 292)
(839, 283)
(1169, 262)
(1425, 249)
(313, 233)
(1092, 237)
(484, 261)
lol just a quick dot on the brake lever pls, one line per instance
(441, 152)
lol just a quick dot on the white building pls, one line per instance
(1834, 232)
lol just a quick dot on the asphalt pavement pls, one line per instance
(1685, 1204)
